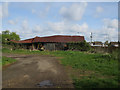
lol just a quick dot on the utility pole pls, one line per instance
(91, 37)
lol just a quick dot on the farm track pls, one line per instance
(29, 70)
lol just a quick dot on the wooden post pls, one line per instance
(54, 46)
(38, 46)
(33, 46)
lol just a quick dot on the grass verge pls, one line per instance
(7, 61)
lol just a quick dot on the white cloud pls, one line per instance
(37, 29)
(67, 28)
(99, 9)
(109, 31)
(111, 23)
(74, 12)
(13, 22)
(33, 11)
(26, 31)
(57, 26)
(41, 13)
(80, 28)
(25, 25)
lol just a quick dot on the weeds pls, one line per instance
(6, 60)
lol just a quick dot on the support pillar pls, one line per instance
(33, 46)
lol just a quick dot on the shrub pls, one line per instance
(82, 46)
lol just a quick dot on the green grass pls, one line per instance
(7, 60)
(105, 67)
(95, 82)
(95, 62)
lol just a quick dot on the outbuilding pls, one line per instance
(56, 42)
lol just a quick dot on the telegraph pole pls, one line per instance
(91, 37)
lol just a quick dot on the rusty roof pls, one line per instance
(59, 38)
(14, 41)
(55, 38)
(26, 41)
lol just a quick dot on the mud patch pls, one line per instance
(45, 83)
(45, 65)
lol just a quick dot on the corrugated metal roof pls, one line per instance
(26, 41)
(56, 38)
(59, 38)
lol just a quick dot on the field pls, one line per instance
(86, 70)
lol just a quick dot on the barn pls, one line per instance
(56, 42)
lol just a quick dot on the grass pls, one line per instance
(7, 60)
(95, 82)
(104, 67)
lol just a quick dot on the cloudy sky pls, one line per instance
(30, 19)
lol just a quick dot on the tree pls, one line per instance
(0, 38)
(6, 32)
(7, 35)
(14, 36)
(106, 43)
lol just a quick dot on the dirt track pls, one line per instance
(29, 70)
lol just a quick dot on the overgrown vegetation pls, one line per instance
(82, 46)
(102, 68)
(7, 60)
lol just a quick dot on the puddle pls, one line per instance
(45, 83)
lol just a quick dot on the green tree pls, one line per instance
(14, 36)
(106, 43)
(0, 38)
(7, 36)
(7, 32)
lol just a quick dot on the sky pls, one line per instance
(30, 19)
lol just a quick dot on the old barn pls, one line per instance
(56, 42)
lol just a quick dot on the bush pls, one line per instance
(82, 46)
(12, 45)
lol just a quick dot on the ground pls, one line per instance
(29, 70)
(87, 70)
